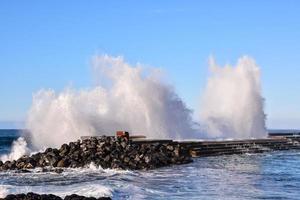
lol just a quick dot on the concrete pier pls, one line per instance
(275, 142)
(215, 148)
(229, 147)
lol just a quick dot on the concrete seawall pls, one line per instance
(229, 147)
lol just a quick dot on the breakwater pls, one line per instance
(139, 153)
(107, 152)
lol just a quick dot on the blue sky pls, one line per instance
(49, 44)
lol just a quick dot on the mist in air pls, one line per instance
(139, 100)
(232, 105)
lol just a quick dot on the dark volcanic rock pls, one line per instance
(63, 162)
(107, 152)
(77, 197)
(33, 196)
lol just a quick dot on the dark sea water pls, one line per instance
(6, 139)
(258, 176)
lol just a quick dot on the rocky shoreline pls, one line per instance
(106, 152)
(34, 196)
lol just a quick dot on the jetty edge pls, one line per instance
(139, 153)
(115, 152)
(276, 141)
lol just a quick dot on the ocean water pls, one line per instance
(6, 139)
(255, 176)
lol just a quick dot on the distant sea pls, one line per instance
(255, 176)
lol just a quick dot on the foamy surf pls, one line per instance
(3, 191)
(206, 177)
(88, 190)
(85, 181)
(18, 149)
(87, 170)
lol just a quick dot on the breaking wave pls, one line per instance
(232, 105)
(128, 98)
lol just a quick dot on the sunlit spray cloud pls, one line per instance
(232, 105)
(131, 99)
(138, 100)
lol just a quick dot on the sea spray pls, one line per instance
(131, 99)
(3, 191)
(232, 105)
(19, 148)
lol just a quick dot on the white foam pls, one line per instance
(97, 169)
(3, 191)
(88, 190)
(19, 148)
